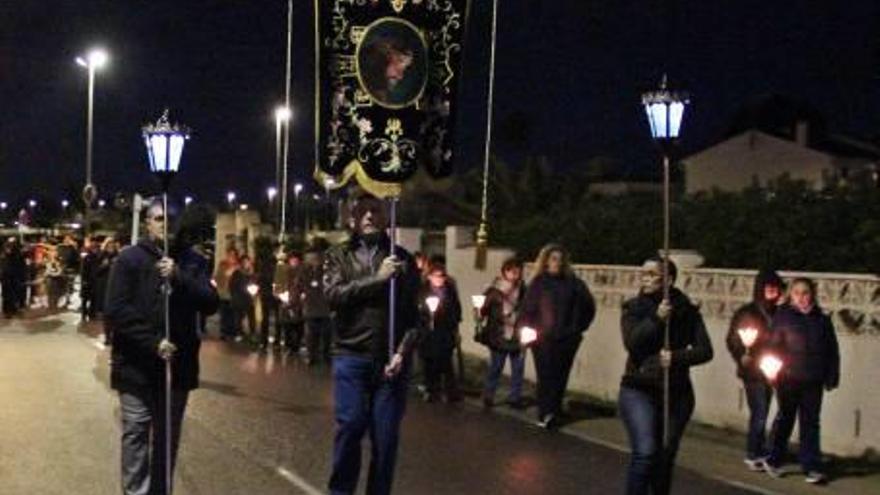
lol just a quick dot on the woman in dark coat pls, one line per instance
(241, 299)
(504, 301)
(442, 334)
(804, 339)
(109, 252)
(643, 324)
(755, 317)
(560, 308)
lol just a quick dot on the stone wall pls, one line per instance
(851, 414)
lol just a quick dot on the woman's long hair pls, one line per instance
(544, 256)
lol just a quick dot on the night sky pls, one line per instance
(570, 70)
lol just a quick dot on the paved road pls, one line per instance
(263, 425)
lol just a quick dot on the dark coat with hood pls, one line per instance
(807, 345)
(757, 314)
(643, 334)
(558, 307)
(135, 309)
(440, 339)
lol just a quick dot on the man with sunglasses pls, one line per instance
(135, 309)
(369, 385)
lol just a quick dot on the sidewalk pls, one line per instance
(711, 452)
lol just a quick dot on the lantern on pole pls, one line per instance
(665, 111)
(164, 144)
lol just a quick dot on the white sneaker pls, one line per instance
(815, 478)
(756, 465)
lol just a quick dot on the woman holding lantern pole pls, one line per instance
(747, 338)
(557, 310)
(643, 323)
(804, 341)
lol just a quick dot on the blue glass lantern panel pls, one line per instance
(657, 118)
(676, 114)
(175, 152)
(159, 150)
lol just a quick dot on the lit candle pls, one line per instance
(748, 336)
(528, 335)
(478, 301)
(770, 365)
(433, 303)
(253, 289)
(285, 297)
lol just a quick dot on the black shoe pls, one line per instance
(816, 478)
(488, 403)
(517, 404)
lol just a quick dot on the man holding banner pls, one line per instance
(369, 387)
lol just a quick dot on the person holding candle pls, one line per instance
(442, 320)
(560, 308)
(503, 302)
(747, 338)
(804, 340)
(241, 298)
(643, 323)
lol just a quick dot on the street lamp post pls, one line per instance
(230, 198)
(283, 115)
(92, 61)
(164, 144)
(297, 188)
(665, 111)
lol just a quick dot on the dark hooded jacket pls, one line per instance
(440, 338)
(558, 307)
(757, 314)
(135, 309)
(643, 335)
(807, 345)
(361, 299)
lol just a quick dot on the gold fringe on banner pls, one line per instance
(355, 170)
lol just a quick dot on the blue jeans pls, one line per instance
(804, 402)
(651, 465)
(365, 401)
(758, 396)
(496, 366)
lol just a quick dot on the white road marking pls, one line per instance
(298, 481)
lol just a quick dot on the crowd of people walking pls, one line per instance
(331, 306)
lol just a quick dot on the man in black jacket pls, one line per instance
(135, 309)
(369, 388)
(752, 321)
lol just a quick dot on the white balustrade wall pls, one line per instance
(851, 414)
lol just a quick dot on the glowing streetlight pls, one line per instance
(271, 193)
(187, 200)
(101, 203)
(32, 203)
(94, 60)
(230, 197)
(65, 203)
(243, 207)
(283, 115)
(3, 205)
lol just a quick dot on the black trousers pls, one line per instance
(439, 371)
(553, 362)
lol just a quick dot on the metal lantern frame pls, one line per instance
(165, 143)
(665, 110)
